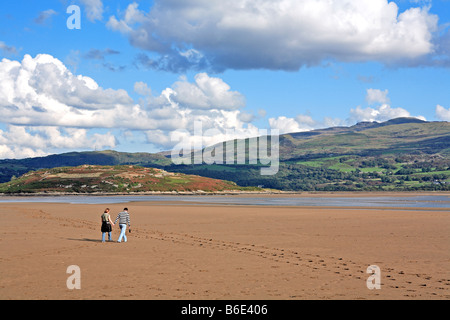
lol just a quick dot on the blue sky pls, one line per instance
(139, 71)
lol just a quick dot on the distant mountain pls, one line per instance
(113, 179)
(107, 157)
(399, 154)
(397, 136)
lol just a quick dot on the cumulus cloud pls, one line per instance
(377, 96)
(286, 125)
(208, 99)
(25, 141)
(207, 93)
(304, 122)
(381, 113)
(442, 113)
(177, 111)
(19, 152)
(42, 91)
(48, 107)
(131, 17)
(142, 88)
(287, 34)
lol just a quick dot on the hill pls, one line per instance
(399, 154)
(113, 179)
(15, 167)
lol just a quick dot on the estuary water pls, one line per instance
(425, 201)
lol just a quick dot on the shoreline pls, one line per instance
(343, 194)
(274, 207)
(439, 201)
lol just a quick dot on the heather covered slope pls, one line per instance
(17, 167)
(112, 179)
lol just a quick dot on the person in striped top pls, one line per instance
(124, 219)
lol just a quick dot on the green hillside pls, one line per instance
(398, 136)
(401, 154)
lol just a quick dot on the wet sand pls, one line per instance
(224, 252)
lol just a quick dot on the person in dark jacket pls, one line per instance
(106, 225)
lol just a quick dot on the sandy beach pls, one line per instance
(224, 252)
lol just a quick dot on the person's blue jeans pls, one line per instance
(104, 234)
(123, 229)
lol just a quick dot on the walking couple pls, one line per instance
(107, 224)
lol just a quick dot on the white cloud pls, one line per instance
(19, 152)
(94, 9)
(287, 125)
(142, 88)
(287, 34)
(131, 16)
(207, 93)
(246, 117)
(42, 91)
(380, 113)
(383, 112)
(48, 107)
(24, 141)
(442, 113)
(206, 99)
(304, 122)
(377, 96)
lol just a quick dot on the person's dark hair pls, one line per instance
(106, 210)
(125, 209)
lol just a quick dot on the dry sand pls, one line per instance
(224, 252)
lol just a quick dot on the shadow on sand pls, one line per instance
(89, 240)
